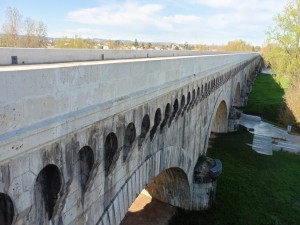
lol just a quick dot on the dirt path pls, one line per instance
(148, 211)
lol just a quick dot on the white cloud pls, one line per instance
(129, 14)
(227, 20)
(239, 5)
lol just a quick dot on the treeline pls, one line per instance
(282, 54)
(26, 33)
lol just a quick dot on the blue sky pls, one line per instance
(192, 21)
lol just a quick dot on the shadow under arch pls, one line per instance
(220, 122)
(170, 157)
(7, 212)
(170, 186)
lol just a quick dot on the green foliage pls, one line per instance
(239, 46)
(75, 42)
(252, 189)
(266, 98)
(283, 45)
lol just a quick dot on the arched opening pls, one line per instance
(189, 102)
(157, 120)
(46, 189)
(86, 162)
(110, 150)
(237, 96)
(175, 109)
(205, 91)
(145, 126)
(129, 138)
(220, 122)
(7, 211)
(188, 98)
(167, 116)
(198, 92)
(182, 104)
(144, 129)
(194, 95)
(171, 186)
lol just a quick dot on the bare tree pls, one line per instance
(11, 28)
(34, 34)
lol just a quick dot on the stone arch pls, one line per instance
(172, 157)
(175, 109)
(220, 122)
(86, 163)
(171, 186)
(157, 120)
(7, 211)
(129, 137)
(167, 116)
(110, 150)
(237, 95)
(46, 192)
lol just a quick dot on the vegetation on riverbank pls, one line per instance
(266, 99)
(253, 188)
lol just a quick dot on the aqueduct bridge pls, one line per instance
(81, 139)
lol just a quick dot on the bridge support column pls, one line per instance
(206, 173)
(234, 119)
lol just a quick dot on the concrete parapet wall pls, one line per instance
(43, 55)
(35, 97)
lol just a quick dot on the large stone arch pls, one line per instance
(171, 186)
(173, 163)
(220, 121)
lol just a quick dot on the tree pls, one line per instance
(11, 28)
(136, 44)
(19, 33)
(75, 42)
(282, 53)
(34, 34)
(285, 40)
(239, 46)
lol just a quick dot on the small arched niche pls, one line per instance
(167, 116)
(46, 189)
(86, 163)
(7, 212)
(157, 120)
(110, 150)
(130, 135)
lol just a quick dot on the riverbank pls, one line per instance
(253, 188)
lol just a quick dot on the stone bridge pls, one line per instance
(84, 133)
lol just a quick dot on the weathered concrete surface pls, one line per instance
(71, 119)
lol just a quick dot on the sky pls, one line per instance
(191, 21)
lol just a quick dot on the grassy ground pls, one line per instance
(253, 189)
(266, 99)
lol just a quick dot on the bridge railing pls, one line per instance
(9, 56)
